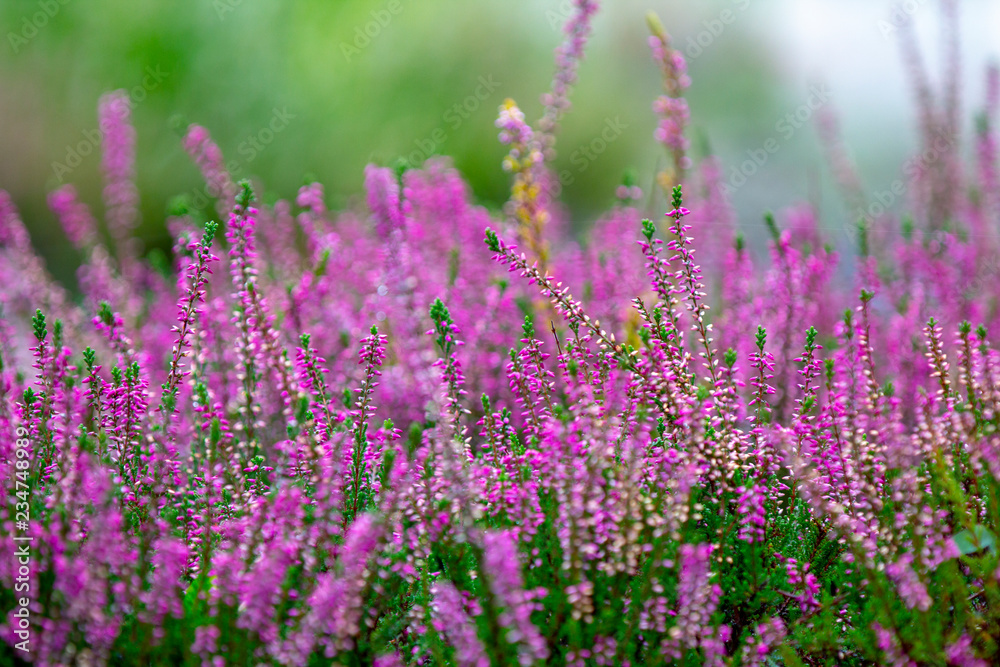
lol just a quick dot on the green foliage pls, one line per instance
(492, 241)
(38, 326)
(648, 229)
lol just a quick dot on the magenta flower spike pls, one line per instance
(121, 196)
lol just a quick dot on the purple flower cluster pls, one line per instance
(375, 441)
(121, 197)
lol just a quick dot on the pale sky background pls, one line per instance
(852, 47)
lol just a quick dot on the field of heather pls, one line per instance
(417, 430)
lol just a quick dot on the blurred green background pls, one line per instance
(350, 97)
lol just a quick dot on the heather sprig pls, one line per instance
(76, 219)
(526, 162)
(687, 281)
(196, 279)
(121, 197)
(260, 349)
(671, 108)
(207, 155)
(567, 56)
(371, 356)
(445, 334)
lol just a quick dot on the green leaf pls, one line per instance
(969, 542)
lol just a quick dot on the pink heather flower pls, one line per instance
(446, 335)
(674, 117)
(888, 643)
(259, 346)
(189, 306)
(628, 193)
(206, 639)
(503, 568)
(124, 415)
(525, 152)
(389, 660)
(768, 636)
(670, 59)
(531, 383)
(312, 371)
(384, 200)
(13, 233)
(908, 583)
(961, 654)
(79, 224)
(121, 197)
(752, 514)
(671, 108)
(568, 56)
(208, 157)
(311, 197)
(697, 599)
(335, 610)
(371, 356)
(763, 363)
(170, 564)
(452, 619)
(802, 580)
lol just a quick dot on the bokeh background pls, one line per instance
(358, 81)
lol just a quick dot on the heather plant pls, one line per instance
(422, 434)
